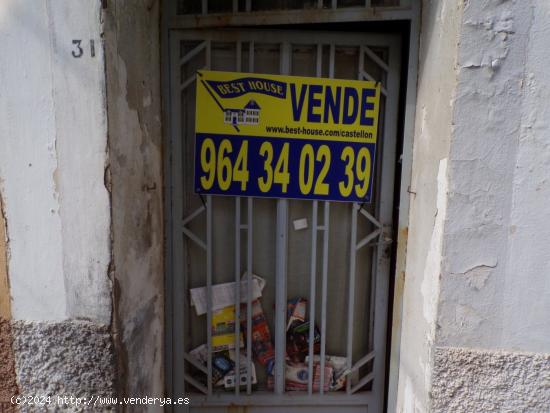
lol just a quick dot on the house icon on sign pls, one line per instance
(249, 115)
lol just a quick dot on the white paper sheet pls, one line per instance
(223, 295)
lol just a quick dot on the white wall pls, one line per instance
(476, 335)
(53, 135)
(436, 85)
(496, 260)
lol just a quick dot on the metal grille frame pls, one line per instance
(379, 237)
(172, 28)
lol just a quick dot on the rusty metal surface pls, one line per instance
(275, 17)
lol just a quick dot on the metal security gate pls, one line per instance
(340, 263)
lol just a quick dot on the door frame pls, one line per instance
(171, 22)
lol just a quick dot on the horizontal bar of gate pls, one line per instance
(272, 17)
(294, 37)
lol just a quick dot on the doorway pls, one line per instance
(339, 264)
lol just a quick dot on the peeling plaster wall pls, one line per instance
(133, 76)
(436, 84)
(500, 158)
(495, 280)
(53, 157)
(476, 335)
(492, 181)
(54, 137)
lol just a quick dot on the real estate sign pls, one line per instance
(285, 136)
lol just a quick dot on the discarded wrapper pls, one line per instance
(223, 329)
(340, 381)
(262, 347)
(200, 353)
(340, 371)
(297, 341)
(296, 377)
(296, 311)
(223, 295)
(229, 379)
(221, 365)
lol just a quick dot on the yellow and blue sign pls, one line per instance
(285, 136)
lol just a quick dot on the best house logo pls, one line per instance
(249, 115)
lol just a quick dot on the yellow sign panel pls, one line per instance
(285, 136)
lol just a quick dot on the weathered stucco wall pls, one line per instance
(484, 342)
(436, 84)
(52, 163)
(488, 275)
(54, 136)
(468, 380)
(494, 280)
(133, 76)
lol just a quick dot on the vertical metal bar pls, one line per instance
(209, 54)
(361, 67)
(204, 7)
(367, 3)
(178, 273)
(312, 290)
(281, 243)
(237, 294)
(334, 4)
(209, 242)
(404, 200)
(281, 246)
(169, 282)
(249, 261)
(235, 6)
(319, 62)
(249, 252)
(313, 263)
(319, 4)
(351, 291)
(326, 233)
(372, 299)
(237, 368)
(332, 54)
(239, 54)
(251, 57)
(209, 288)
(384, 212)
(248, 5)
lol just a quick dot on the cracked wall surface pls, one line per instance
(494, 63)
(53, 129)
(495, 264)
(64, 358)
(70, 193)
(433, 128)
(490, 345)
(135, 143)
(54, 137)
(490, 381)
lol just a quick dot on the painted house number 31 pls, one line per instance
(78, 48)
